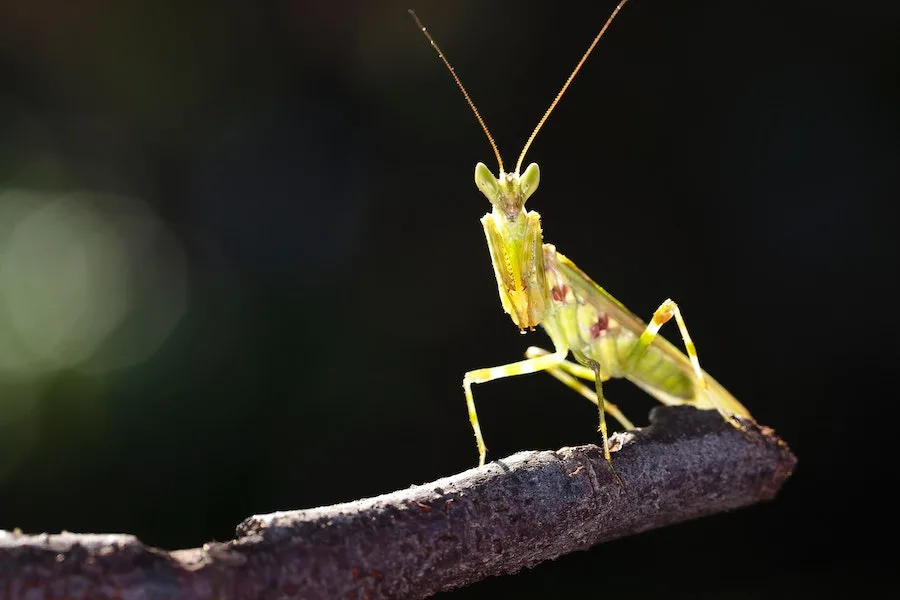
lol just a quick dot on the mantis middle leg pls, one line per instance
(529, 365)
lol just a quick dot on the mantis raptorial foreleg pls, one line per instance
(530, 365)
(661, 316)
(564, 373)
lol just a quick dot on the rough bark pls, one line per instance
(513, 513)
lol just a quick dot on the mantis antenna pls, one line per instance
(462, 88)
(561, 92)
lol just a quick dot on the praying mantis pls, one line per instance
(539, 286)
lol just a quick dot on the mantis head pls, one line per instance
(508, 192)
(514, 235)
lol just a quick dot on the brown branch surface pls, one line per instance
(513, 513)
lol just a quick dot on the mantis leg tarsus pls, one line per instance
(529, 365)
(564, 373)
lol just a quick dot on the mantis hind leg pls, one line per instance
(529, 365)
(661, 316)
(564, 373)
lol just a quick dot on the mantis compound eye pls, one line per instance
(487, 183)
(529, 180)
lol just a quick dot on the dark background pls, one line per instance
(241, 267)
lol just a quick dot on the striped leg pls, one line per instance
(530, 365)
(663, 314)
(564, 373)
(570, 367)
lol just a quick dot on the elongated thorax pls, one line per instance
(514, 240)
(517, 256)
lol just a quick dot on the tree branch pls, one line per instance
(412, 543)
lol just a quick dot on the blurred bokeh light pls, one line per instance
(74, 273)
(89, 283)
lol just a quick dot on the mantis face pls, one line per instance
(509, 192)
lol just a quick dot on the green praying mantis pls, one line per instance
(540, 286)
